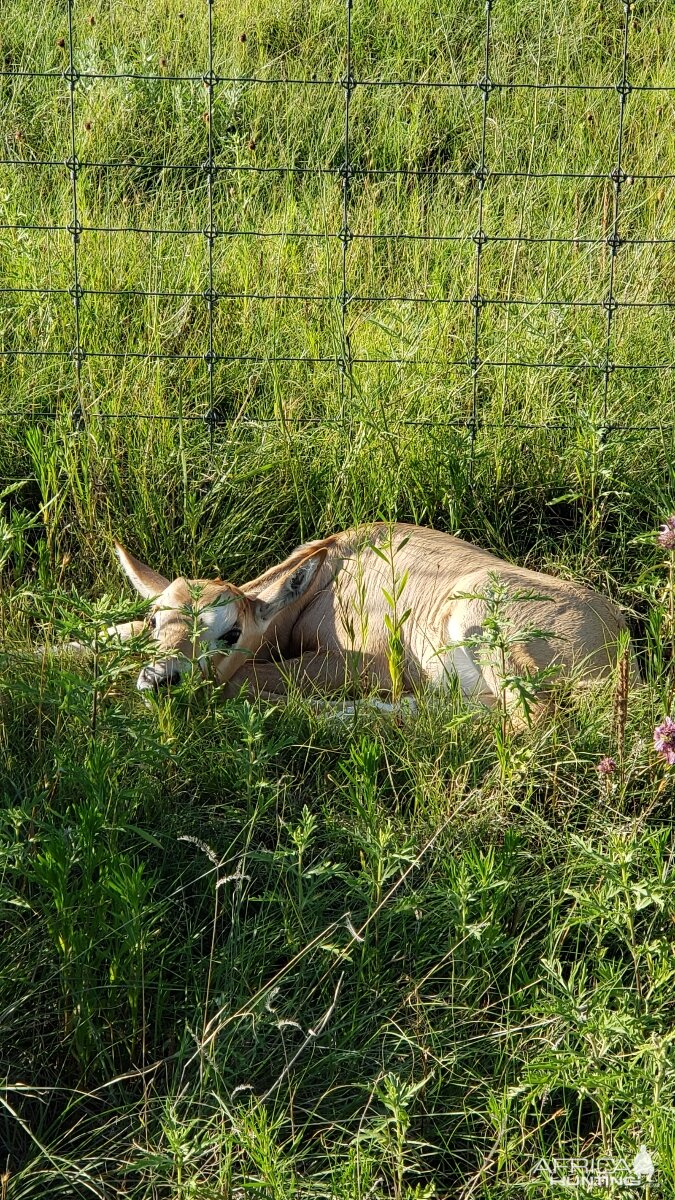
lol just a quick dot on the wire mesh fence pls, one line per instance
(468, 360)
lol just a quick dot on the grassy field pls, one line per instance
(252, 951)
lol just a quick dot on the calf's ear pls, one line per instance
(146, 581)
(285, 591)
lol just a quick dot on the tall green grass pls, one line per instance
(252, 950)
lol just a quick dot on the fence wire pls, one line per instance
(344, 174)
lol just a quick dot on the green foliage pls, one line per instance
(500, 631)
(396, 616)
(233, 925)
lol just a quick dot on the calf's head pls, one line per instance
(209, 625)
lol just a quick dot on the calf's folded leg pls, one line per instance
(320, 672)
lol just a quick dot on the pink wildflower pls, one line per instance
(664, 740)
(666, 536)
(606, 766)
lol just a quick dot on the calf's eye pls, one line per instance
(231, 637)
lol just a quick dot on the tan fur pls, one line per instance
(353, 581)
(332, 635)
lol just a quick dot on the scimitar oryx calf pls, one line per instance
(318, 620)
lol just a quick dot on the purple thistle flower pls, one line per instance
(606, 766)
(666, 536)
(664, 740)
